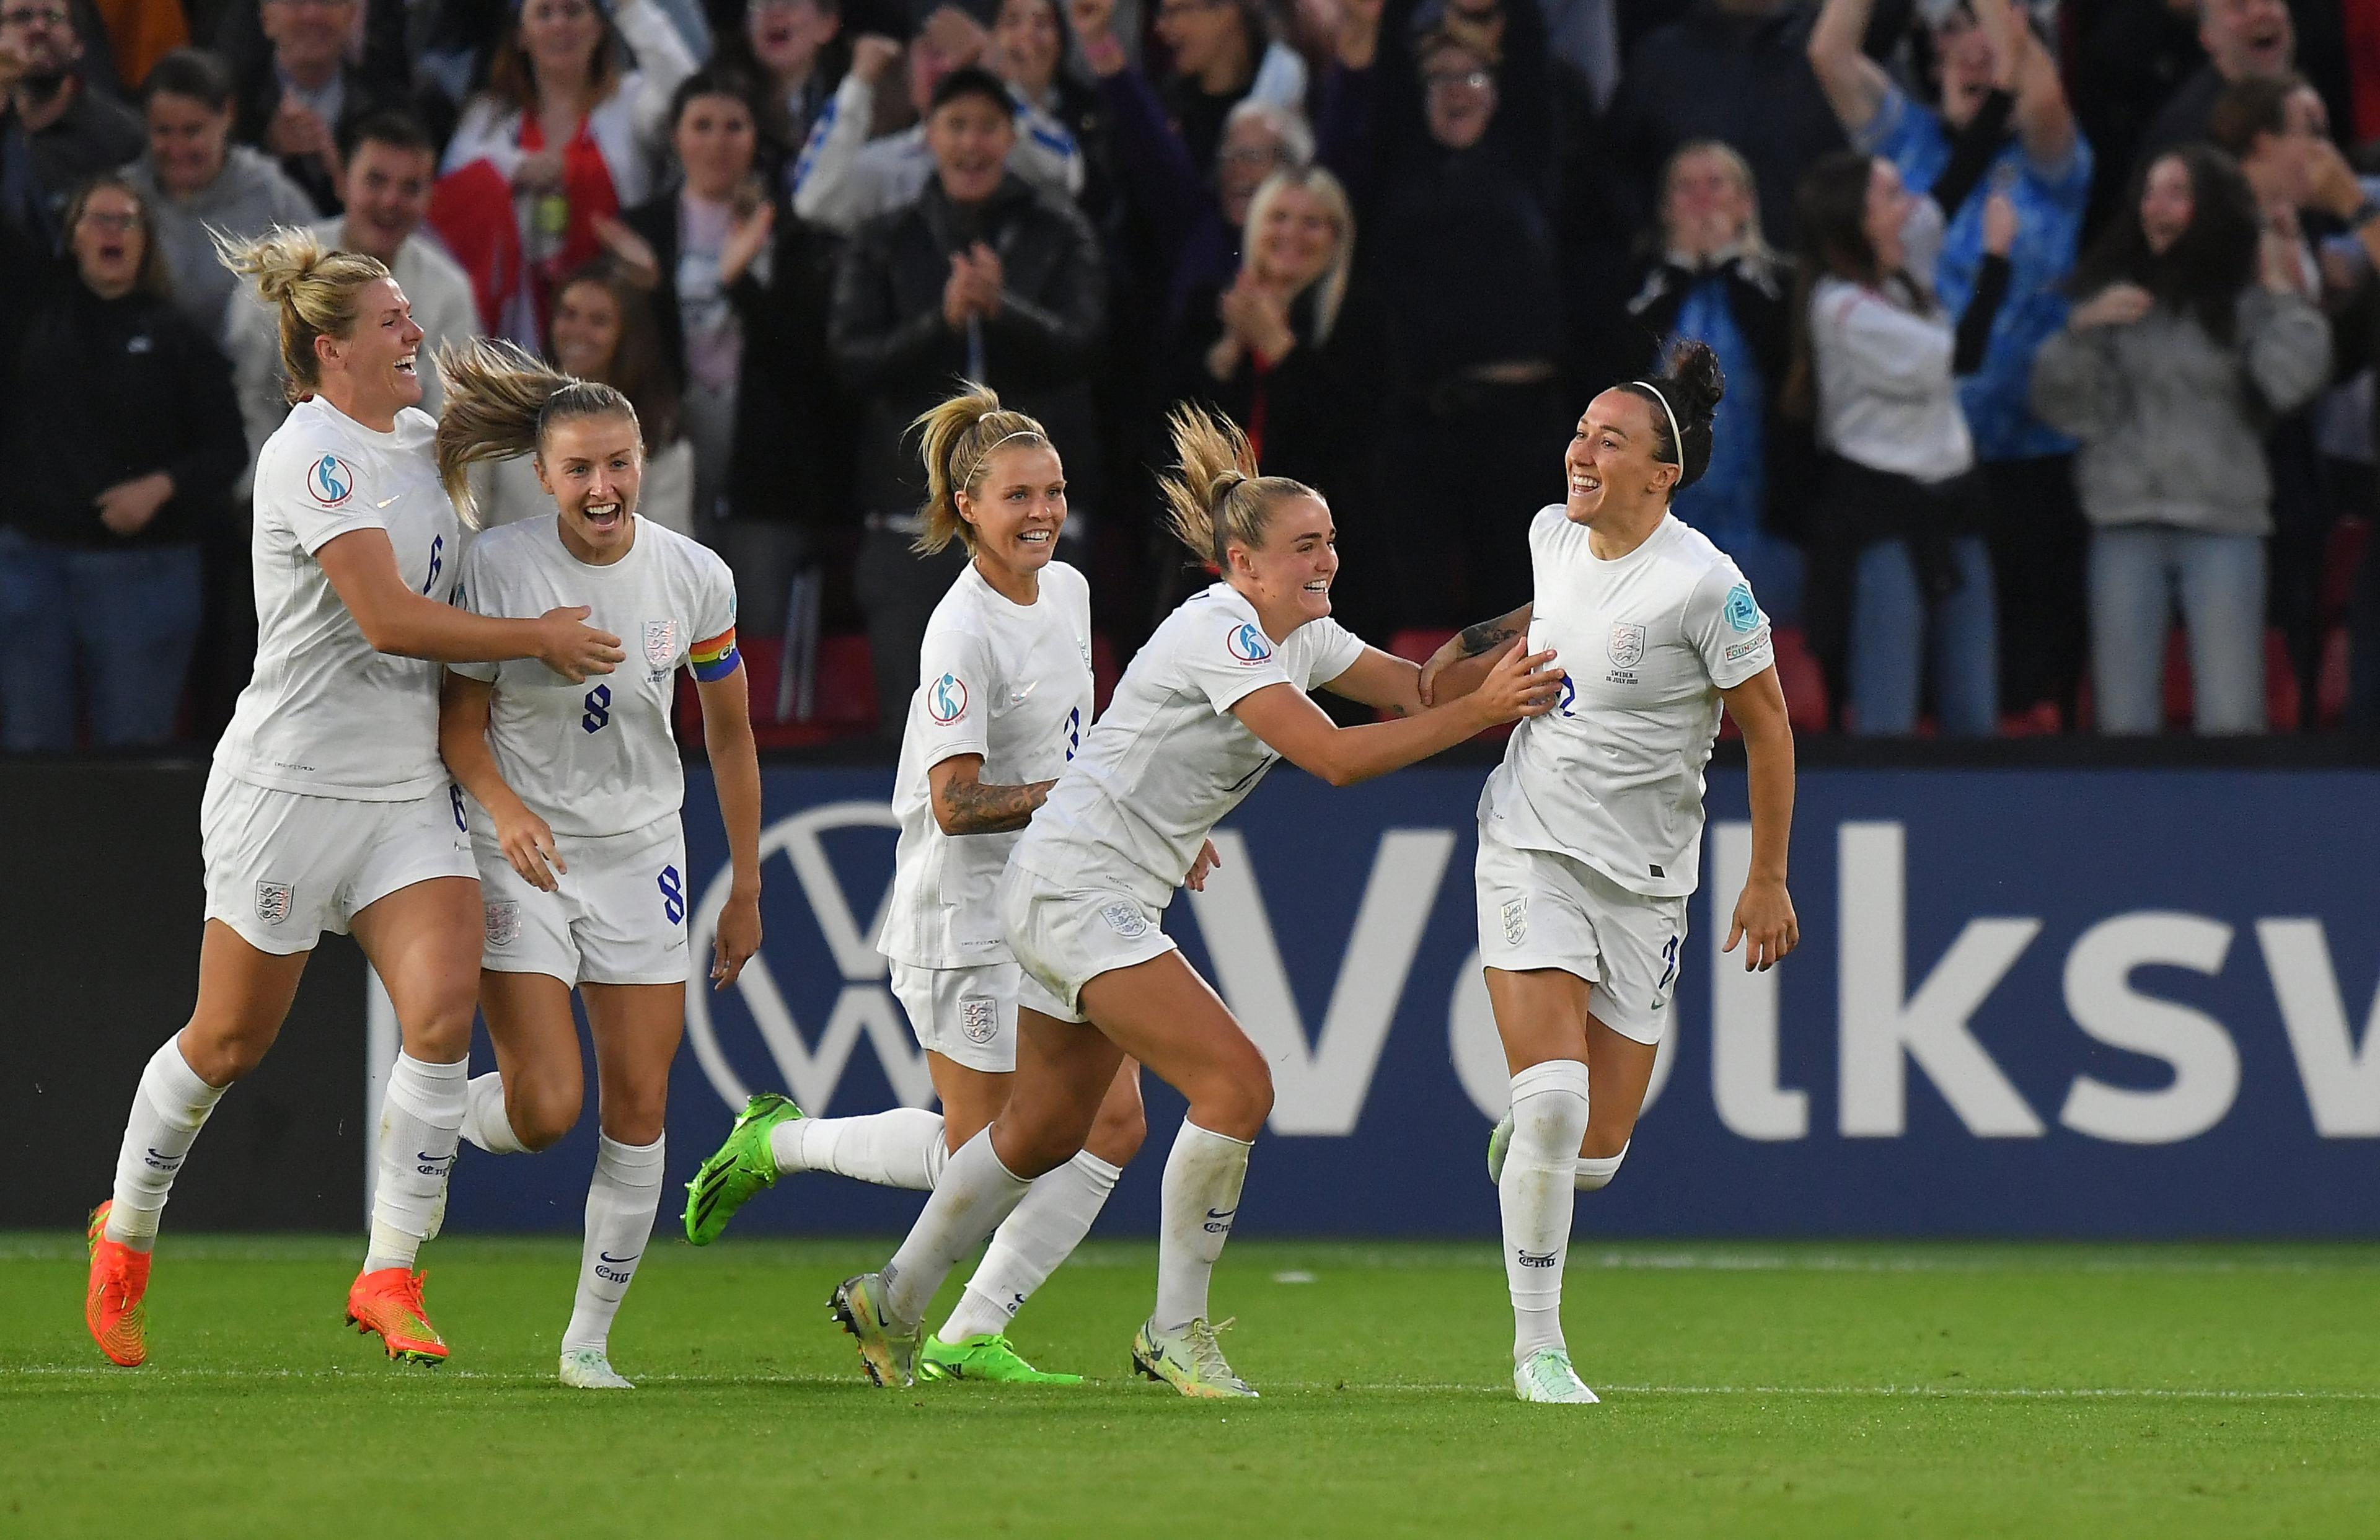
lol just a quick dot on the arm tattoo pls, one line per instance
(972, 807)
(1486, 636)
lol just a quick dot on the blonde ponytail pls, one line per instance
(500, 403)
(1215, 496)
(315, 291)
(955, 439)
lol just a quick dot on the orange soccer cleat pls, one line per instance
(389, 1301)
(111, 1307)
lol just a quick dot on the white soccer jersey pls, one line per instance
(1613, 777)
(323, 713)
(598, 757)
(1168, 759)
(1010, 681)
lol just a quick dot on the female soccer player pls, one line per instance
(327, 808)
(1217, 695)
(575, 795)
(1005, 695)
(1590, 833)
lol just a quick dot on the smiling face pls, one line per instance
(1018, 506)
(715, 141)
(1610, 463)
(1029, 43)
(108, 241)
(560, 37)
(186, 143)
(1288, 577)
(377, 358)
(1297, 241)
(2247, 37)
(971, 138)
(2167, 203)
(595, 468)
(388, 191)
(1707, 205)
(786, 36)
(585, 330)
(1458, 95)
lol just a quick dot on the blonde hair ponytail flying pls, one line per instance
(1214, 495)
(312, 288)
(499, 402)
(955, 439)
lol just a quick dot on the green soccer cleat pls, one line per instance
(1499, 1144)
(1189, 1360)
(743, 1166)
(590, 1369)
(888, 1353)
(992, 1358)
(1546, 1375)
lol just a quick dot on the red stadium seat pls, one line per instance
(2282, 707)
(2342, 554)
(1803, 682)
(1105, 672)
(844, 706)
(2330, 685)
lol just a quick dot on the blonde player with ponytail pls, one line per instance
(574, 794)
(1217, 696)
(327, 808)
(1004, 702)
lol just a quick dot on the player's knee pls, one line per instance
(542, 1111)
(634, 1117)
(1596, 1172)
(1236, 1100)
(1031, 1149)
(1117, 1134)
(1604, 1143)
(441, 1034)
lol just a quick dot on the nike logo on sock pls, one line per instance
(619, 1261)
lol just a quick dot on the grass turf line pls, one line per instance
(1757, 1390)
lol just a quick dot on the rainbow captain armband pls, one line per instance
(715, 658)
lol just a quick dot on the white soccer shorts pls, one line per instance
(1065, 935)
(1538, 909)
(616, 916)
(967, 1016)
(284, 866)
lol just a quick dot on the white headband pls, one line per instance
(1675, 437)
(1020, 433)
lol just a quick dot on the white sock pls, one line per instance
(1596, 1172)
(904, 1147)
(485, 1123)
(1201, 1193)
(1029, 1245)
(974, 1193)
(1548, 1120)
(421, 1123)
(168, 1109)
(621, 1203)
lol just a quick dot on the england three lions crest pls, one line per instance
(1627, 644)
(273, 902)
(661, 643)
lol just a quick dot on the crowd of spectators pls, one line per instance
(2049, 324)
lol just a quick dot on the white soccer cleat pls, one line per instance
(1546, 1375)
(1190, 1360)
(590, 1369)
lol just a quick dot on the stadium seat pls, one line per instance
(844, 704)
(1803, 682)
(2330, 685)
(1105, 671)
(2342, 554)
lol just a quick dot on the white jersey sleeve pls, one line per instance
(951, 711)
(467, 586)
(1335, 649)
(1225, 657)
(313, 493)
(1726, 625)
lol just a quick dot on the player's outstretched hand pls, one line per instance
(1766, 923)
(527, 842)
(1207, 861)
(737, 939)
(1521, 684)
(574, 650)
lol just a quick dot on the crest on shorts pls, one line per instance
(272, 901)
(979, 1018)
(1516, 920)
(1627, 644)
(1125, 919)
(504, 922)
(660, 642)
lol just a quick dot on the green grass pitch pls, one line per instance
(1750, 1390)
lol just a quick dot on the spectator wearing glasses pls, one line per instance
(390, 167)
(984, 278)
(100, 566)
(300, 102)
(198, 183)
(57, 131)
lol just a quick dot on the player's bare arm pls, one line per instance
(1293, 726)
(1456, 668)
(1382, 681)
(964, 805)
(735, 773)
(362, 567)
(527, 840)
(1765, 921)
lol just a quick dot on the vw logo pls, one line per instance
(864, 1005)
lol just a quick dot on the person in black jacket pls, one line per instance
(56, 127)
(739, 290)
(125, 436)
(298, 103)
(982, 278)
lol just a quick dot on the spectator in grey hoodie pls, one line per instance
(193, 178)
(2195, 329)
